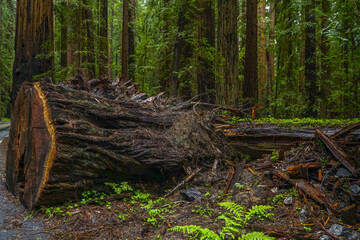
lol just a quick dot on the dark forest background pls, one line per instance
(296, 58)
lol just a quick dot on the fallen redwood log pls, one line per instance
(258, 140)
(65, 141)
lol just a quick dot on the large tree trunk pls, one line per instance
(165, 62)
(250, 88)
(63, 142)
(183, 51)
(206, 39)
(34, 41)
(228, 88)
(89, 41)
(262, 60)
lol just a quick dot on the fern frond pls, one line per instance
(258, 211)
(230, 222)
(237, 210)
(199, 232)
(256, 236)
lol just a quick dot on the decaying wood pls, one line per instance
(301, 170)
(182, 183)
(237, 174)
(345, 131)
(308, 189)
(348, 214)
(338, 153)
(65, 141)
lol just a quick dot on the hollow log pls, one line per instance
(64, 141)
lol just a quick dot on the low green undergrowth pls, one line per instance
(235, 218)
(301, 122)
(4, 119)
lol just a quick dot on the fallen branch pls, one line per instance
(338, 153)
(309, 189)
(345, 131)
(302, 170)
(238, 171)
(183, 182)
(228, 184)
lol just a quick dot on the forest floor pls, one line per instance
(142, 213)
(14, 220)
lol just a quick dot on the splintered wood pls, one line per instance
(309, 189)
(338, 153)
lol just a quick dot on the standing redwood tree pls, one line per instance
(104, 44)
(325, 62)
(125, 42)
(131, 35)
(310, 58)
(88, 42)
(250, 69)
(34, 41)
(180, 84)
(228, 88)
(262, 60)
(206, 38)
(63, 35)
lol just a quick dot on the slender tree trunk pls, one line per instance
(132, 8)
(110, 38)
(310, 58)
(179, 42)
(206, 38)
(79, 37)
(325, 64)
(183, 51)
(34, 41)
(104, 44)
(270, 54)
(250, 72)
(125, 42)
(262, 60)
(63, 37)
(228, 88)
(89, 42)
(302, 53)
(165, 56)
(71, 43)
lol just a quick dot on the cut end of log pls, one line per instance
(49, 160)
(32, 146)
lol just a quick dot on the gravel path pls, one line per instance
(15, 221)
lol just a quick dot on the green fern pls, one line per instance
(260, 212)
(256, 236)
(237, 210)
(197, 232)
(235, 219)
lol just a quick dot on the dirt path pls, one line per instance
(15, 221)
